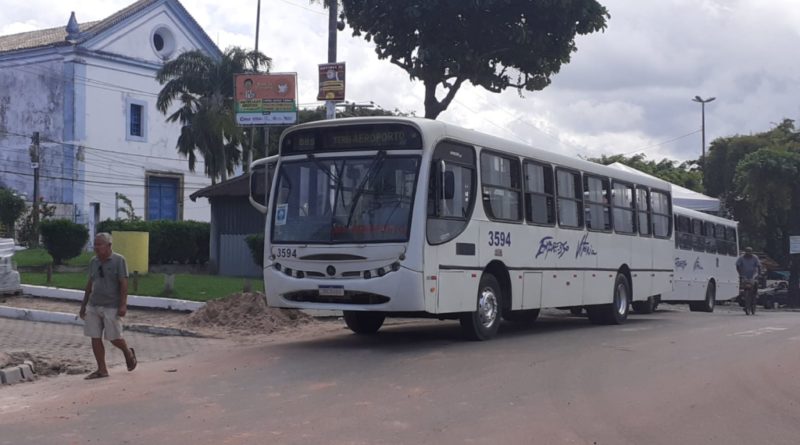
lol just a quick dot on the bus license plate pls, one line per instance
(332, 291)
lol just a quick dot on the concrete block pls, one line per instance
(27, 372)
(11, 375)
(31, 365)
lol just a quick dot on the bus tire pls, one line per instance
(708, 304)
(615, 312)
(364, 323)
(645, 307)
(522, 316)
(483, 323)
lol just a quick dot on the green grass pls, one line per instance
(40, 258)
(187, 286)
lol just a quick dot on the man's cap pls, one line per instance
(748, 250)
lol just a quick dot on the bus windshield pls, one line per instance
(345, 200)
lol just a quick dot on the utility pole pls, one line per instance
(333, 11)
(35, 159)
(703, 103)
(255, 68)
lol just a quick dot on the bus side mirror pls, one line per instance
(261, 172)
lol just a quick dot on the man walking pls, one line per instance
(749, 268)
(105, 302)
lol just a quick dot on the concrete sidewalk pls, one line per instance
(67, 313)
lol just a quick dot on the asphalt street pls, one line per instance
(665, 378)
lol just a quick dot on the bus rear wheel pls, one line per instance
(364, 323)
(615, 312)
(708, 304)
(483, 323)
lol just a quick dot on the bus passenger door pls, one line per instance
(451, 248)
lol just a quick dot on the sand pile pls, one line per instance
(247, 312)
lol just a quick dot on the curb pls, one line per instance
(133, 300)
(65, 318)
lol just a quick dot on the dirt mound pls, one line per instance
(246, 312)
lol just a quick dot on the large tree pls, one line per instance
(758, 178)
(494, 44)
(203, 87)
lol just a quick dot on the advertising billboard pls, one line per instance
(265, 99)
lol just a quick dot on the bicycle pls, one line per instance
(749, 294)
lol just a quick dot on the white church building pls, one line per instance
(89, 90)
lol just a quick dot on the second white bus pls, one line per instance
(706, 248)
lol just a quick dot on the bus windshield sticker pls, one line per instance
(680, 263)
(280, 214)
(547, 245)
(585, 247)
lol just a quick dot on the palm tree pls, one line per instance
(203, 86)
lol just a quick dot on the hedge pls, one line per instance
(183, 242)
(256, 244)
(63, 239)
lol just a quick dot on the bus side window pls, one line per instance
(662, 214)
(597, 205)
(539, 196)
(501, 187)
(570, 202)
(643, 208)
(624, 214)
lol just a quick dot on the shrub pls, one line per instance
(63, 239)
(256, 244)
(11, 208)
(170, 241)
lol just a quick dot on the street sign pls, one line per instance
(331, 82)
(794, 245)
(265, 99)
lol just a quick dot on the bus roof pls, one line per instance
(678, 210)
(441, 130)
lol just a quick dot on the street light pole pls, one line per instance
(703, 103)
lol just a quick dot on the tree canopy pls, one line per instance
(203, 87)
(757, 177)
(493, 44)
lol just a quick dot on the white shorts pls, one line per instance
(102, 321)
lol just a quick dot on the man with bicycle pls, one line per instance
(749, 268)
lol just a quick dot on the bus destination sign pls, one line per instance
(360, 137)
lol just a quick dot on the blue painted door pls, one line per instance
(162, 201)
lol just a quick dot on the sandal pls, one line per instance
(132, 362)
(95, 375)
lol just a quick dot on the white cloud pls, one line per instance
(626, 89)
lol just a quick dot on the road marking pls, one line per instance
(759, 331)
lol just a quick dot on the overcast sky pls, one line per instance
(627, 90)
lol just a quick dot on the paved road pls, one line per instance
(667, 378)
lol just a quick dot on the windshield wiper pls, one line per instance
(371, 170)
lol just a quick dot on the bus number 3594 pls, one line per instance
(499, 238)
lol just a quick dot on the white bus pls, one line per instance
(382, 217)
(706, 248)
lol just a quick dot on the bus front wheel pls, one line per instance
(483, 323)
(364, 323)
(615, 312)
